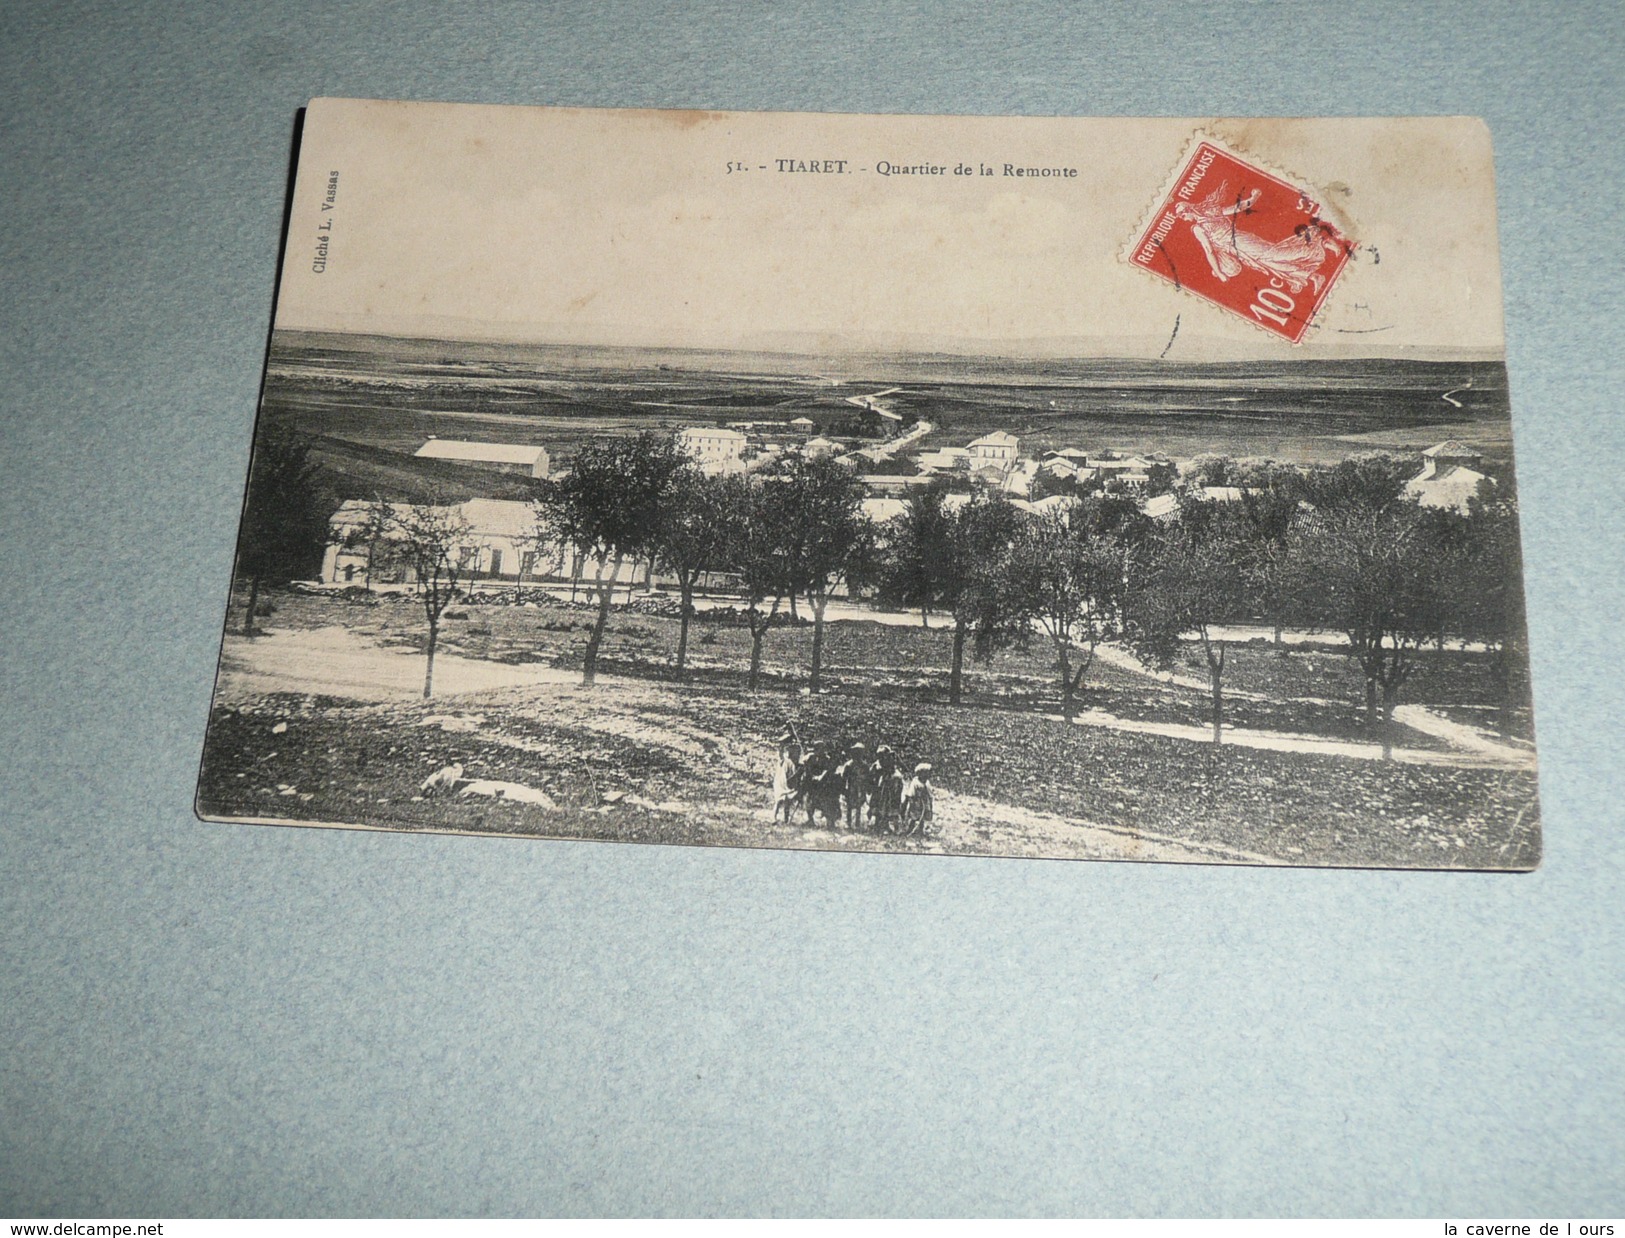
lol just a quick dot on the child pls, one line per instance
(917, 806)
(786, 778)
(854, 775)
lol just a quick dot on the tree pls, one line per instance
(1376, 575)
(1049, 482)
(433, 540)
(1369, 479)
(971, 582)
(950, 561)
(1067, 578)
(1118, 517)
(1189, 577)
(1211, 469)
(372, 534)
(285, 520)
(690, 538)
(1161, 477)
(826, 534)
(1489, 591)
(608, 508)
(916, 546)
(1270, 502)
(754, 540)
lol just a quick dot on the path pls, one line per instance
(1461, 735)
(891, 447)
(1475, 747)
(335, 661)
(1484, 756)
(969, 825)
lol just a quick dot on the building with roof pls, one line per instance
(1018, 481)
(990, 475)
(716, 449)
(892, 483)
(943, 460)
(998, 450)
(1162, 506)
(1453, 453)
(501, 546)
(1166, 506)
(1061, 504)
(500, 543)
(1450, 476)
(882, 510)
(524, 459)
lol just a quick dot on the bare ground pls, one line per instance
(635, 759)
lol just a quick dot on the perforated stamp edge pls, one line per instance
(1157, 202)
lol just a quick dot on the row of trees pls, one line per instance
(1335, 549)
(1339, 550)
(797, 532)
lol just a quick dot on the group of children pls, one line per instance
(870, 791)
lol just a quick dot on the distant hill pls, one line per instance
(374, 400)
(444, 358)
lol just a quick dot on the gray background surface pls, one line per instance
(233, 1019)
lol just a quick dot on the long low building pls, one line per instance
(525, 459)
(501, 544)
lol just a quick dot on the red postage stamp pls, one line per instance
(1244, 239)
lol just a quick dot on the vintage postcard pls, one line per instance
(1074, 488)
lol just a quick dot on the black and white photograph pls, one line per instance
(837, 483)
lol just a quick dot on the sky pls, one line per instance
(553, 225)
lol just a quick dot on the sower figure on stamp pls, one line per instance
(1228, 246)
(786, 778)
(855, 782)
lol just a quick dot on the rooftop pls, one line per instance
(488, 453)
(1453, 448)
(711, 432)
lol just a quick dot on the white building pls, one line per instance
(891, 484)
(882, 510)
(715, 445)
(1166, 506)
(525, 459)
(1162, 506)
(998, 450)
(1449, 476)
(1019, 480)
(501, 545)
(943, 460)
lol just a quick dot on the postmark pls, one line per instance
(1246, 239)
